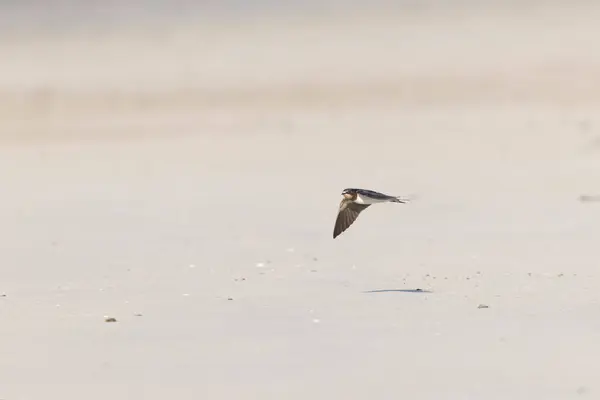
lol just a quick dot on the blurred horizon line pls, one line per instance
(69, 15)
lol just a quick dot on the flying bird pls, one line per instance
(354, 201)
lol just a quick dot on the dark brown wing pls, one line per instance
(346, 216)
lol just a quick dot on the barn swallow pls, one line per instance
(353, 202)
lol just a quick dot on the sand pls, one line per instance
(184, 180)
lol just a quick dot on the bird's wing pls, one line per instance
(346, 216)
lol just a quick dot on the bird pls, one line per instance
(354, 201)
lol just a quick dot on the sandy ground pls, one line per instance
(185, 181)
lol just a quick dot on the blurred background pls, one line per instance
(158, 55)
(178, 164)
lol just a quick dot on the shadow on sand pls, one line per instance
(398, 291)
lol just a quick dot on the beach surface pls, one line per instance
(182, 176)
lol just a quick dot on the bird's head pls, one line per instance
(349, 194)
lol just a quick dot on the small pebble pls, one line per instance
(483, 306)
(230, 298)
(110, 319)
(586, 198)
(137, 315)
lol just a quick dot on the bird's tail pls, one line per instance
(399, 200)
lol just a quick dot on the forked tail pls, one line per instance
(399, 200)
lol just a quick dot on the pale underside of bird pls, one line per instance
(355, 201)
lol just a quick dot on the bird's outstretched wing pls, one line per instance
(346, 216)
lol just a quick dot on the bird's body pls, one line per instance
(354, 201)
(364, 196)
